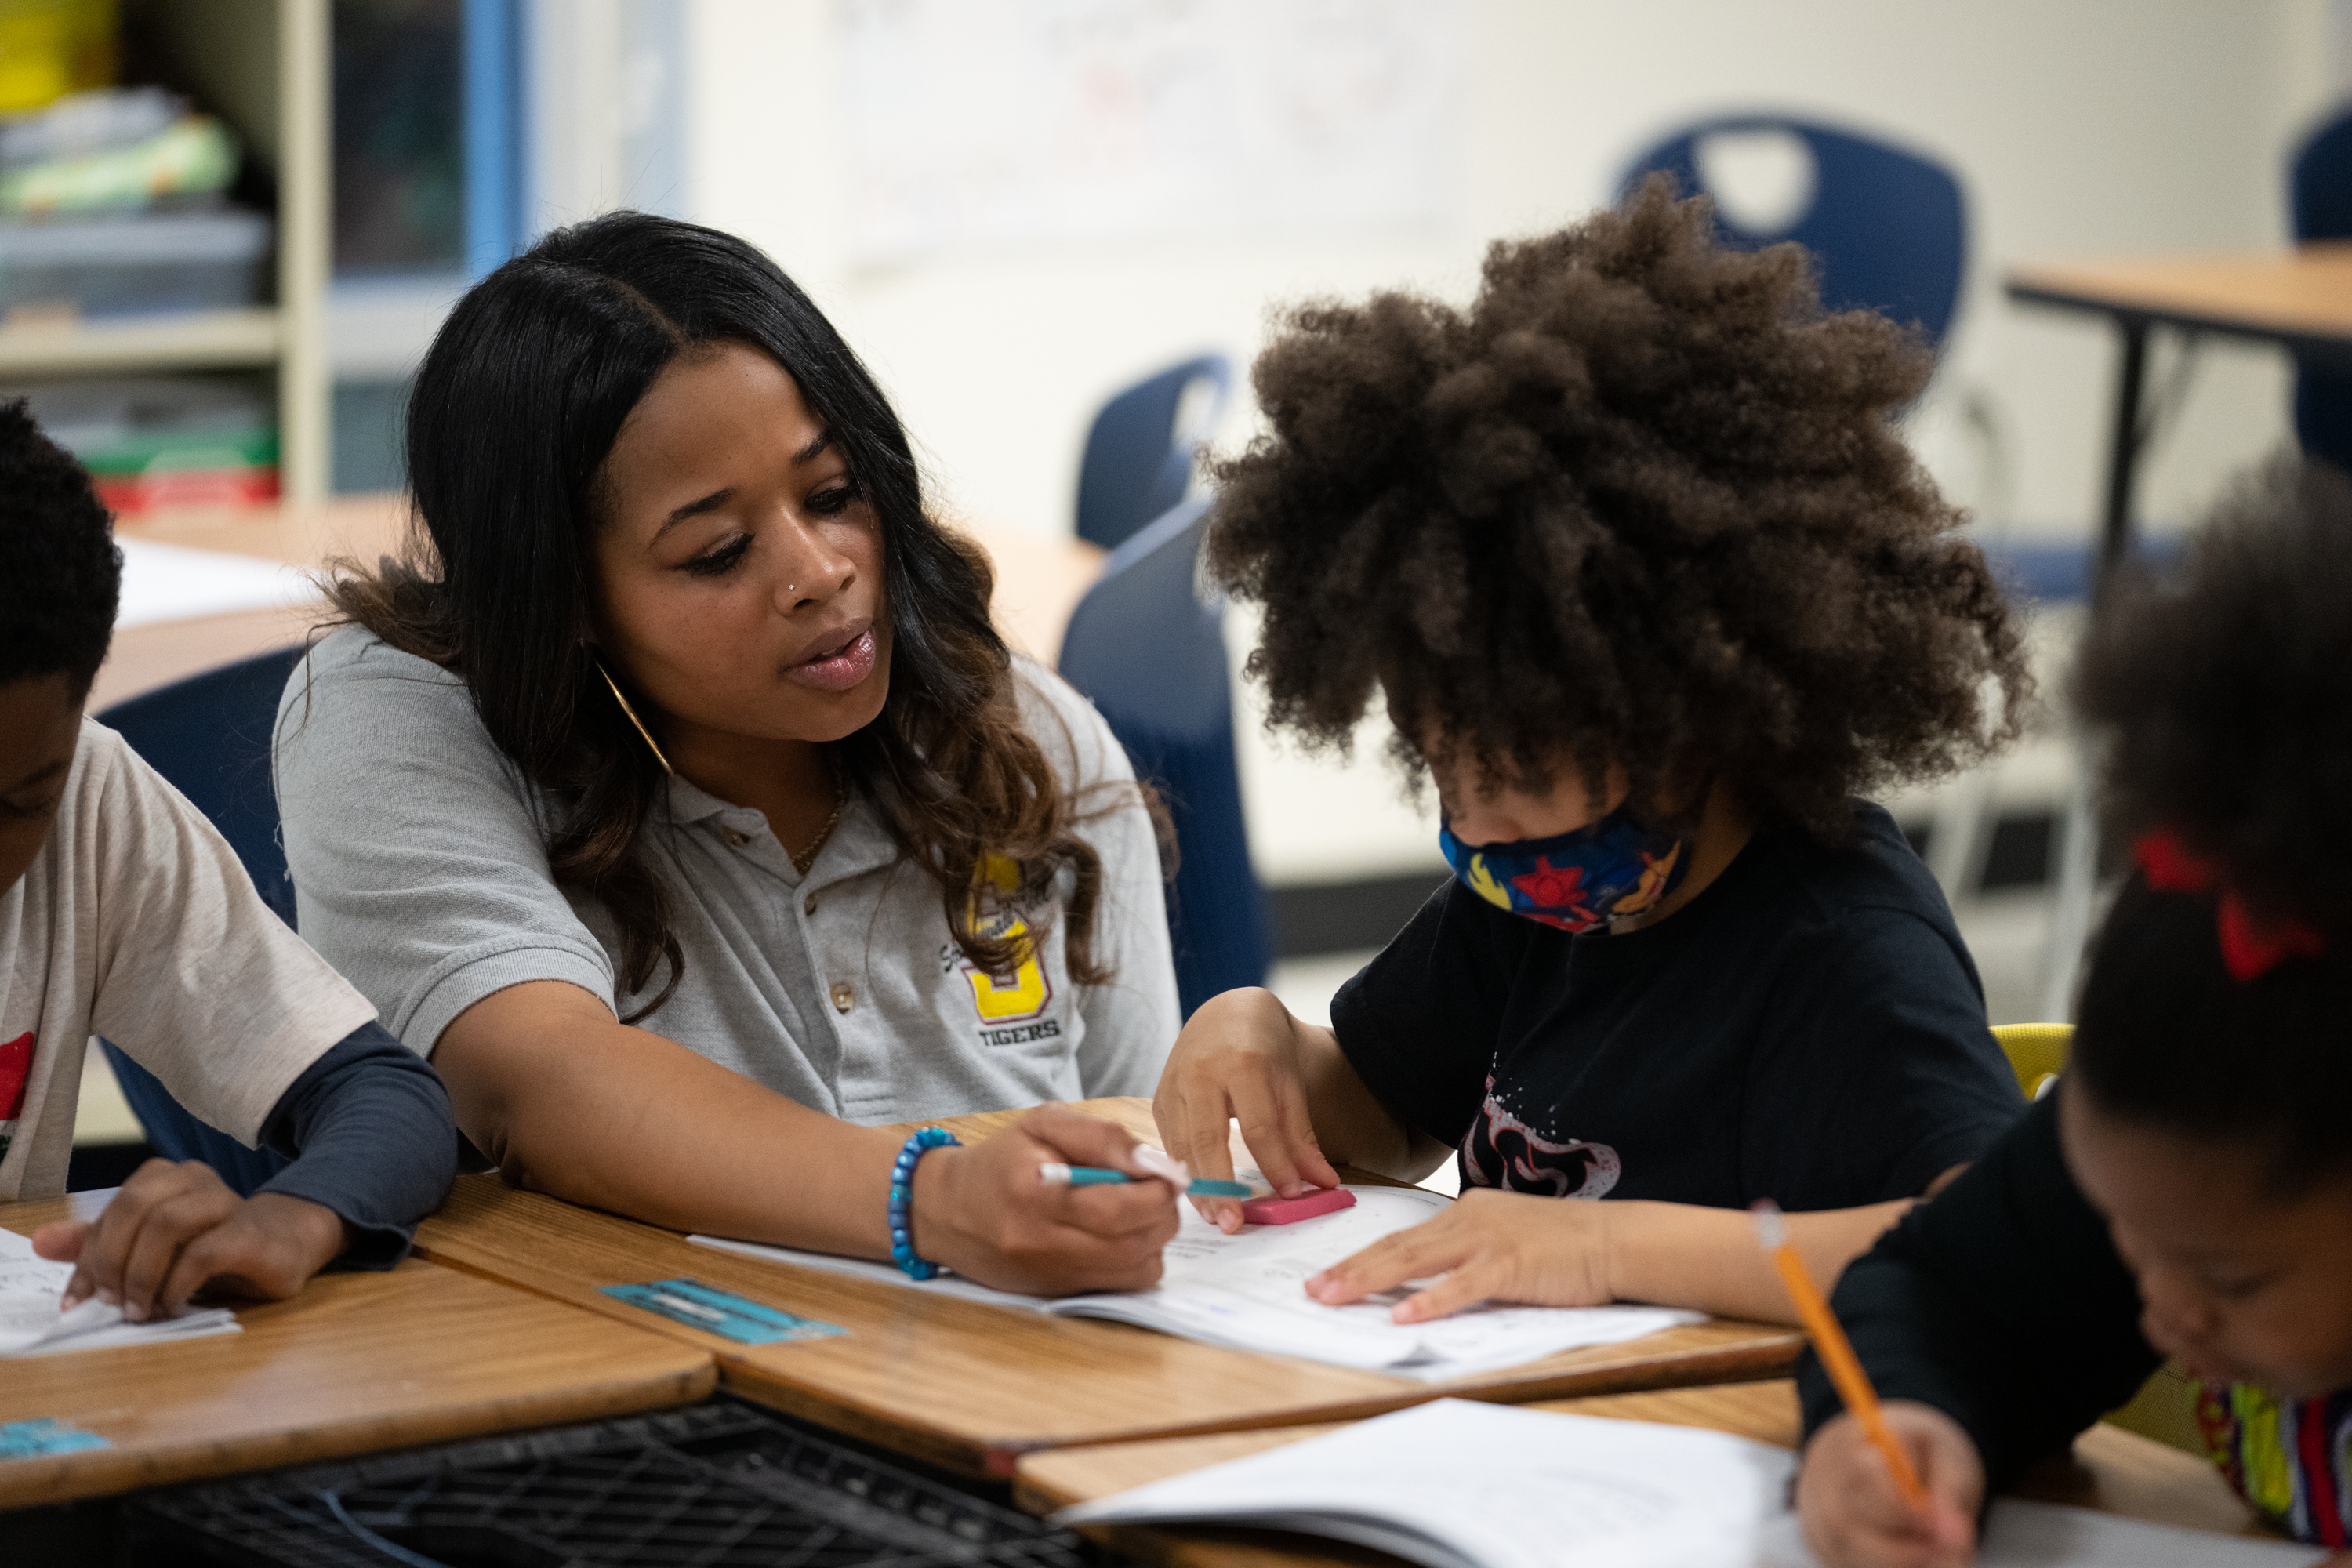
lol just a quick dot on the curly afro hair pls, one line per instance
(58, 558)
(1642, 506)
(2223, 693)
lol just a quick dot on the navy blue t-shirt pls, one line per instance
(1809, 1028)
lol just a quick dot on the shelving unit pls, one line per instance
(262, 65)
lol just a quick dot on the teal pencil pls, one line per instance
(1061, 1175)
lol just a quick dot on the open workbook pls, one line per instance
(1247, 1291)
(1452, 1484)
(30, 1324)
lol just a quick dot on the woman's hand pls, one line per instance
(1491, 1246)
(1854, 1516)
(1240, 1057)
(988, 1214)
(174, 1230)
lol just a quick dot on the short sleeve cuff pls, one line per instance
(463, 979)
(1405, 1088)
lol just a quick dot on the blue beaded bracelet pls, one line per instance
(902, 1195)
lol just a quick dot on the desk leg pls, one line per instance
(2123, 452)
(2078, 838)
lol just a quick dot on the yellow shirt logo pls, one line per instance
(1002, 998)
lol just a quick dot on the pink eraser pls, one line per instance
(1289, 1211)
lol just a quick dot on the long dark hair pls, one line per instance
(519, 400)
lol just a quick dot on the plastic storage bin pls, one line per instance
(134, 264)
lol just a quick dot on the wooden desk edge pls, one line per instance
(1753, 1362)
(98, 1472)
(2072, 287)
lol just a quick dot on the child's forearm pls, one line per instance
(1682, 1255)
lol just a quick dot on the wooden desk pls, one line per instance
(357, 1361)
(2110, 1469)
(1039, 581)
(972, 1387)
(2299, 299)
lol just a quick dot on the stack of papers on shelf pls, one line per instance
(1247, 1291)
(1458, 1485)
(30, 1324)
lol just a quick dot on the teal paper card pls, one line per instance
(722, 1312)
(46, 1434)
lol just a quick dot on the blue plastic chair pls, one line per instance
(209, 735)
(2320, 182)
(1888, 228)
(1138, 462)
(1151, 655)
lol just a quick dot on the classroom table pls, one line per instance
(972, 1387)
(1039, 579)
(2300, 300)
(357, 1361)
(2118, 1471)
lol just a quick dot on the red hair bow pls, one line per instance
(2250, 947)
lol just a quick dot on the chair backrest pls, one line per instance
(209, 735)
(1139, 455)
(1888, 228)
(1152, 654)
(2036, 1052)
(2319, 180)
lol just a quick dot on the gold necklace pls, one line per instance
(805, 858)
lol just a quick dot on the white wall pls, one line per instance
(2077, 126)
(2117, 127)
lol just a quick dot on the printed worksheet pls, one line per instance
(1452, 1484)
(1248, 1290)
(30, 1324)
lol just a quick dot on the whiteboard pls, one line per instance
(977, 124)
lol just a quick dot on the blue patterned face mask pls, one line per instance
(1576, 881)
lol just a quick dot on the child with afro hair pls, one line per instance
(1653, 591)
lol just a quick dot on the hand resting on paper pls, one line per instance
(1539, 1251)
(1854, 1517)
(176, 1229)
(1491, 1247)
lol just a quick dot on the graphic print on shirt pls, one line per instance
(1501, 1150)
(16, 1071)
(1026, 991)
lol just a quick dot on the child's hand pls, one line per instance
(1491, 1247)
(175, 1228)
(1239, 1058)
(1855, 1516)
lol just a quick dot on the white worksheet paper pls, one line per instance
(1248, 1291)
(1454, 1484)
(30, 1324)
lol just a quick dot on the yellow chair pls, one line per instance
(2166, 1406)
(2036, 1052)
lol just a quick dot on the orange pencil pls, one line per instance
(1837, 1355)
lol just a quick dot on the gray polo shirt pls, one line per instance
(420, 873)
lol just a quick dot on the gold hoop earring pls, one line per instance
(631, 713)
